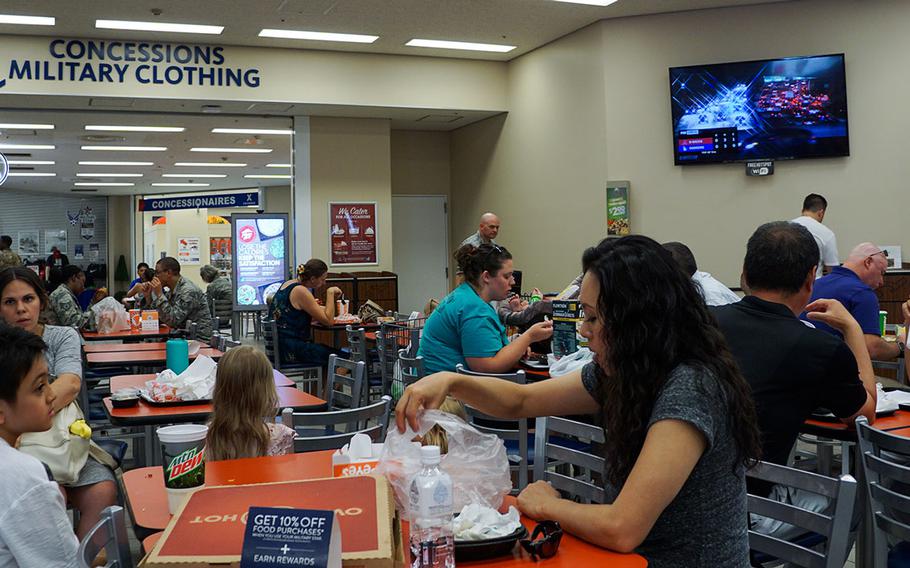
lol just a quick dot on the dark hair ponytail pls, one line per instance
(474, 261)
(314, 268)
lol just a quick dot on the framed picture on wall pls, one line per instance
(55, 238)
(28, 243)
(352, 233)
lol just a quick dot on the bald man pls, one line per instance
(853, 284)
(489, 228)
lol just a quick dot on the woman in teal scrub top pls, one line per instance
(465, 328)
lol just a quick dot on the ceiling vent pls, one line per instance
(440, 118)
(111, 102)
(211, 109)
(102, 138)
(83, 190)
(270, 108)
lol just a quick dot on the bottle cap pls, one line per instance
(429, 455)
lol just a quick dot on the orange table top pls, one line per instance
(109, 347)
(840, 431)
(163, 331)
(140, 357)
(148, 503)
(149, 542)
(138, 381)
(144, 414)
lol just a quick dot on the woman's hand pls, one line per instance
(427, 393)
(533, 499)
(334, 292)
(831, 312)
(540, 331)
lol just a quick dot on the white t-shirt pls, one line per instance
(713, 291)
(34, 529)
(824, 238)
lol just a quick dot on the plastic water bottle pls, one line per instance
(432, 541)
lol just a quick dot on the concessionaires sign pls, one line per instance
(200, 201)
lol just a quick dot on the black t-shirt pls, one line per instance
(792, 369)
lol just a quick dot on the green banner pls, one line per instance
(618, 208)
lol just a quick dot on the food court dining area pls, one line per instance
(432, 283)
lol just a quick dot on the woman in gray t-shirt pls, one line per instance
(679, 420)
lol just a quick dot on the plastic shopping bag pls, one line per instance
(571, 362)
(110, 316)
(476, 462)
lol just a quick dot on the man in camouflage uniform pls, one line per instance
(185, 302)
(219, 287)
(8, 259)
(64, 302)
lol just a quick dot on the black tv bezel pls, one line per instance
(676, 161)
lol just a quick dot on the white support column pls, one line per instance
(301, 192)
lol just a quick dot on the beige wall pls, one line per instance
(595, 106)
(118, 242)
(350, 161)
(421, 163)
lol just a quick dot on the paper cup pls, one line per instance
(183, 449)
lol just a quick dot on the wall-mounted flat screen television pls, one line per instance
(779, 109)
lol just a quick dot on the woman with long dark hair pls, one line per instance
(678, 417)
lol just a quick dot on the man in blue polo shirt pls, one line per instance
(853, 284)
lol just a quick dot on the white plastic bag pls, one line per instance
(476, 462)
(110, 316)
(570, 362)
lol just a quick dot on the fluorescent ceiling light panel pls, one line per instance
(111, 128)
(106, 175)
(318, 36)
(103, 184)
(233, 150)
(126, 148)
(194, 175)
(180, 184)
(589, 2)
(282, 131)
(27, 147)
(268, 176)
(463, 45)
(31, 162)
(158, 27)
(31, 174)
(116, 163)
(27, 20)
(278, 165)
(210, 165)
(18, 126)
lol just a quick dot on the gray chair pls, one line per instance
(830, 531)
(110, 535)
(886, 468)
(332, 430)
(513, 433)
(387, 348)
(310, 376)
(360, 351)
(223, 310)
(555, 457)
(345, 391)
(411, 368)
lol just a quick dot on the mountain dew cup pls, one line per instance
(183, 448)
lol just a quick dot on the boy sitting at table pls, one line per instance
(34, 528)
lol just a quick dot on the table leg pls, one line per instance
(865, 551)
(150, 445)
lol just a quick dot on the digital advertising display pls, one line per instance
(260, 251)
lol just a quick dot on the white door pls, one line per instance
(420, 241)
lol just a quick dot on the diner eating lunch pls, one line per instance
(434, 283)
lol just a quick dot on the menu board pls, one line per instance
(618, 208)
(260, 251)
(567, 318)
(352, 228)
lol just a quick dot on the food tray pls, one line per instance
(467, 550)
(152, 402)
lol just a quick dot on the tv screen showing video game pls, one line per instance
(778, 109)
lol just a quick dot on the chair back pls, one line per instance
(226, 344)
(223, 310)
(345, 391)
(551, 449)
(411, 368)
(834, 527)
(358, 344)
(886, 469)
(332, 430)
(110, 535)
(387, 348)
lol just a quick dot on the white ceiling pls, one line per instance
(69, 135)
(527, 24)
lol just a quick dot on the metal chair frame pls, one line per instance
(311, 375)
(387, 348)
(355, 421)
(110, 535)
(339, 399)
(411, 368)
(546, 454)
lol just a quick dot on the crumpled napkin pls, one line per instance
(197, 382)
(477, 522)
(889, 401)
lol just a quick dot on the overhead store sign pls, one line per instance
(134, 63)
(210, 200)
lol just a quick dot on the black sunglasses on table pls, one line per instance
(550, 534)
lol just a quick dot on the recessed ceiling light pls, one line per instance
(90, 163)
(103, 184)
(191, 175)
(27, 147)
(589, 2)
(278, 165)
(252, 131)
(18, 126)
(317, 36)
(111, 128)
(158, 27)
(31, 174)
(210, 164)
(106, 175)
(127, 148)
(27, 20)
(463, 45)
(268, 176)
(233, 150)
(180, 184)
(31, 162)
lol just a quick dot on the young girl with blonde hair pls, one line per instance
(245, 403)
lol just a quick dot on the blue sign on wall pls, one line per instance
(208, 200)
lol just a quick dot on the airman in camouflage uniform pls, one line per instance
(8, 259)
(185, 301)
(219, 287)
(67, 310)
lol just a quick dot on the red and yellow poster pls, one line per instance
(352, 232)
